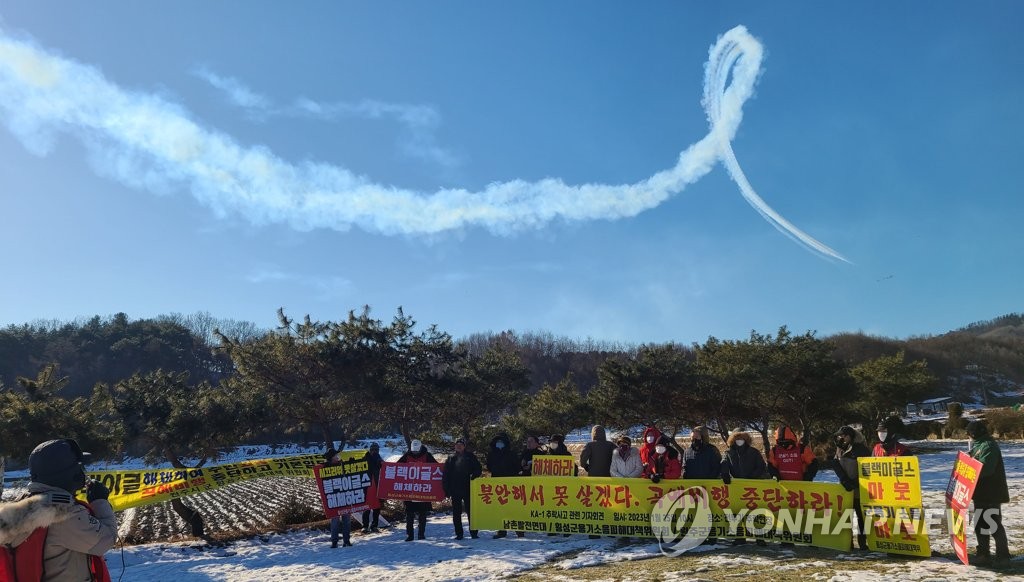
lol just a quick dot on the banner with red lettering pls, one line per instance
(959, 491)
(554, 466)
(346, 487)
(411, 481)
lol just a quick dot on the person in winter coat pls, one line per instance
(556, 446)
(533, 449)
(888, 444)
(989, 495)
(850, 447)
(374, 461)
(790, 460)
(502, 461)
(78, 534)
(459, 470)
(344, 522)
(626, 459)
(648, 441)
(596, 457)
(414, 510)
(701, 460)
(664, 463)
(742, 461)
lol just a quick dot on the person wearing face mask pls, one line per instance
(626, 459)
(416, 510)
(648, 441)
(76, 534)
(990, 494)
(502, 461)
(790, 460)
(663, 463)
(701, 460)
(850, 447)
(742, 461)
(888, 444)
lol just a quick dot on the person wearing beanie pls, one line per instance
(416, 510)
(990, 494)
(344, 522)
(626, 460)
(850, 446)
(888, 441)
(78, 533)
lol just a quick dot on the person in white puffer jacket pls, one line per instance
(626, 459)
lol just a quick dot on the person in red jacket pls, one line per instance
(663, 463)
(647, 444)
(888, 444)
(790, 460)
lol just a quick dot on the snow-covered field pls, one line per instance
(305, 555)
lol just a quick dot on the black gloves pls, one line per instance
(773, 472)
(96, 490)
(811, 472)
(848, 483)
(655, 478)
(726, 478)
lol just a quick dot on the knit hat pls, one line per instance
(59, 463)
(330, 454)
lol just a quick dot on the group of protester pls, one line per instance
(72, 536)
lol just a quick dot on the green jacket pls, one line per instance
(991, 489)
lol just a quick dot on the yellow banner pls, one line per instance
(890, 496)
(553, 465)
(820, 514)
(133, 488)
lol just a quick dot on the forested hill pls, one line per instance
(112, 348)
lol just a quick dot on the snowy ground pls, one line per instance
(305, 555)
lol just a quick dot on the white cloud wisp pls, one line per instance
(147, 142)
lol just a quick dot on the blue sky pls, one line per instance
(239, 157)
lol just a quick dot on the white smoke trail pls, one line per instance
(147, 142)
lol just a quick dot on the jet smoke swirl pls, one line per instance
(149, 143)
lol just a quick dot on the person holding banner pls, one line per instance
(459, 470)
(989, 495)
(663, 463)
(626, 460)
(502, 461)
(556, 446)
(526, 461)
(850, 446)
(701, 460)
(790, 460)
(742, 461)
(343, 523)
(373, 460)
(416, 510)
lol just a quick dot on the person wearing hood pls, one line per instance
(502, 461)
(344, 522)
(626, 460)
(701, 460)
(374, 462)
(888, 442)
(78, 533)
(790, 460)
(663, 463)
(416, 510)
(596, 457)
(742, 461)
(459, 469)
(648, 440)
(989, 495)
(850, 447)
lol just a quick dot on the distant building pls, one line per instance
(931, 406)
